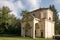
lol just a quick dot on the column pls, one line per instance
(33, 30)
(22, 30)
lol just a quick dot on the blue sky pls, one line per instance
(17, 5)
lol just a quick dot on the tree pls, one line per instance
(4, 18)
(9, 24)
(24, 13)
(15, 26)
(55, 18)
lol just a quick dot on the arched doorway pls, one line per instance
(27, 30)
(37, 30)
(42, 34)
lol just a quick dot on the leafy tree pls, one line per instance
(15, 27)
(4, 18)
(9, 24)
(24, 13)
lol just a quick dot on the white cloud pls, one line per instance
(57, 1)
(11, 5)
(19, 4)
(59, 14)
(32, 4)
(35, 4)
(15, 5)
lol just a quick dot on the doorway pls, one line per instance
(42, 35)
(27, 30)
(37, 32)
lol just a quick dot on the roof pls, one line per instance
(39, 9)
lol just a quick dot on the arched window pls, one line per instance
(49, 18)
(40, 15)
(36, 26)
(27, 26)
(33, 14)
(27, 30)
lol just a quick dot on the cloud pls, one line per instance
(31, 4)
(34, 4)
(57, 1)
(19, 4)
(16, 5)
(59, 15)
(11, 5)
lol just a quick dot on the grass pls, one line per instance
(21, 38)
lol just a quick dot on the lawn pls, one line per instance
(21, 38)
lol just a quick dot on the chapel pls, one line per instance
(39, 23)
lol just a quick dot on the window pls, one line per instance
(39, 15)
(33, 14)
(49, 18)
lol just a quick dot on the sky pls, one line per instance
(17, 5)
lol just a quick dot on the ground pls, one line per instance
(21, 38)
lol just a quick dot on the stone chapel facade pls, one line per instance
(39, 23)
